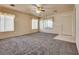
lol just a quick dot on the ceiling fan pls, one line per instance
(39, 8)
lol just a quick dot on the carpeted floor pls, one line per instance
(36, 44)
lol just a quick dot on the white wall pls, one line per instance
(77, 26)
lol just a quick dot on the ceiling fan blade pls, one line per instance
(34, 5)
(43, 10)
(39, 7)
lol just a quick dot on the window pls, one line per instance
(6, 22)
(34, 23)
(48, 23)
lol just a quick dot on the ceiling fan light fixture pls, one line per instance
(38, 11)
(39, 8)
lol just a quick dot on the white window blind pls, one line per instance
(34, 23)
(48, 23)
(1, 23)
(6, 22)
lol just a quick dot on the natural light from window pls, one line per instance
(6, 22)
(46, 23)
(34, 23)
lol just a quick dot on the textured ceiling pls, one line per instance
(49, 8)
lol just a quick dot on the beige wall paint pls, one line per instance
(77, 25)
(23, 24)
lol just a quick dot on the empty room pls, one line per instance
(39, 29)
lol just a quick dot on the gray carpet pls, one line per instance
(36, 44)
